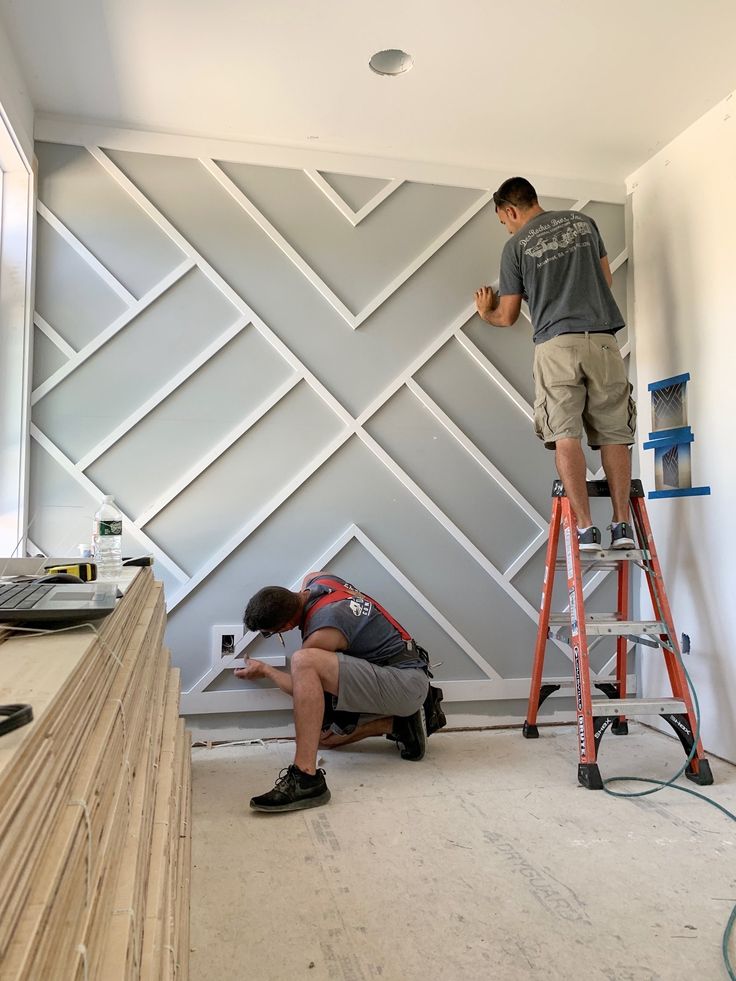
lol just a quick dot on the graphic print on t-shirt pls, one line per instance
(559, 236)
(360, 607)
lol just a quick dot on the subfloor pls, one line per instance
(483, 861)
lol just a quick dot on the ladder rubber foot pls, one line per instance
(589, 776)
(703, 777)
(619, 728)
(530, 732)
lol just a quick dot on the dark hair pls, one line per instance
(516, 191)
(270, 608)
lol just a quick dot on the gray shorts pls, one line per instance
(370, 689)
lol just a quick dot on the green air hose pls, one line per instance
(661, 784)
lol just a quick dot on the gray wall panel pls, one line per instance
(356, 192)
(132, 367)
(244, 478)
(454, 481)
(103, 217)
(46, 357)
(198, 415)
(486, 414)
(610, 221)
(357, 263)
(69, 294)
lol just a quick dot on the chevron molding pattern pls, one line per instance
(152, 273)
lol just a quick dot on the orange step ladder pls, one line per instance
(595, 715)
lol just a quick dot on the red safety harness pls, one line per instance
(340, 591)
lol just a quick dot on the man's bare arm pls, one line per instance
(327, 639)
(606, 267)
(499, 311)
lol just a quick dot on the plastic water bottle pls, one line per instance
(107, 536)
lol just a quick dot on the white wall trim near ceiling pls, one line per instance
(73, 132)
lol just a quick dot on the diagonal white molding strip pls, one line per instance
(198, 468)
(353, 320)
(620, 259)
(490, 369)
(480, 458)
(278, 239)
(86, 484)
(84, 253)
(110, 331)
(158, 397)
(265, 512)
(417, 263)
(53, 335)
(354, 217)
(521, 560)
(429, 607)
(414, 366)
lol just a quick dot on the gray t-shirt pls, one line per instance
(369, 634)
(554, 263)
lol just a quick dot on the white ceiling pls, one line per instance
(573, 88)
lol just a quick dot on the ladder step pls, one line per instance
(609, 556)
(604, 624)
(637, 706)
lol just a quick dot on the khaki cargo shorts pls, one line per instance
(580, 381)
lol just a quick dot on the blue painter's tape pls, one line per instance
(668, 382)
(680, 492)
(662, 444)
(667, 433)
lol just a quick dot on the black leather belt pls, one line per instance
(14, 716)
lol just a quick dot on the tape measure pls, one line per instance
(87, 571)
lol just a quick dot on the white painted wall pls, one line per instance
(15, 102)
(684, 267)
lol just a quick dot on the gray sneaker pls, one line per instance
(622, 535)
(589, 540)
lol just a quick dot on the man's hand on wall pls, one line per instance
(485, 300)
(252, 670)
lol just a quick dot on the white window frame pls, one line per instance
(17, 240)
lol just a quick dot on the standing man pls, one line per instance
(556, 260)
(352, 650)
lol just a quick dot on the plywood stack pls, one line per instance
(95, 802)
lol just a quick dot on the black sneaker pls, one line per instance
(409, 735)
(294, 791)
(434, 717)
(589, 539)
(622, 535)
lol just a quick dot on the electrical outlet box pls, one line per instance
(226, 636)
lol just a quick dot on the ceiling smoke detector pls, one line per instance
(391, 62)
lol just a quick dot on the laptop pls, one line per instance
(24, 600)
